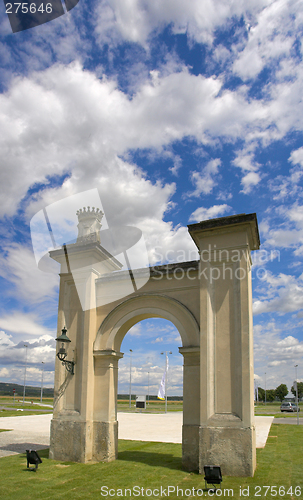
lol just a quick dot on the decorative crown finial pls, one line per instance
(89, 224)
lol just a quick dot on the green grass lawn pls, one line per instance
(21, 411)
(152, 465)
(15, 413)
(270, 409)
(9, 408)
(152, 407)
(9, 401)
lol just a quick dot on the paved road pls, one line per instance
(33, 431)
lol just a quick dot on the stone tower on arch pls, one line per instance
(210, 303)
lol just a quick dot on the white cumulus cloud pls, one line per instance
(203, 213)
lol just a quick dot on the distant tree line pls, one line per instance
(279, 393)
(300, 390)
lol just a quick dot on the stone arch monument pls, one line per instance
(210, 303)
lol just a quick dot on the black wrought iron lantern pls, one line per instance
(62, 353)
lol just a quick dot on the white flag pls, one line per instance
(161, 391)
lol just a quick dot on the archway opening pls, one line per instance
(148, 346)
(107, 358)
(152, 366)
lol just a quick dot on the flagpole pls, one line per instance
(165, 381)
(130, 378)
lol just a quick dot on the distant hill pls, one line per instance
(7, 390)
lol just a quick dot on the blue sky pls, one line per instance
(176, 112)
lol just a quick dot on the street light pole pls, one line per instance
(148, 390)
(130, 378)
(296, 366)
(166, 364)
(42, 382)
(25, 345)
(265, 387)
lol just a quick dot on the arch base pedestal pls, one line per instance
(234, 449)
(190, 447)
(76, 441)
(105, 441)
(70, 440)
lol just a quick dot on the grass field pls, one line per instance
(9, 408)
(9, 400)
(154, 465)
(273, 409)
(152, 407)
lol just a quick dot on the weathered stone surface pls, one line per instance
(190, 447)
(231, 448)
(105, 441)
(70, 441)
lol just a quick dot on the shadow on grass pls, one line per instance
(152, 459)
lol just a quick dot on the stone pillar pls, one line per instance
(191, 407)
(72, 423)
(105, 425)
(227, 431)
(72, 428)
